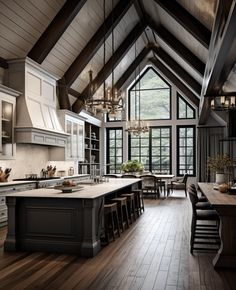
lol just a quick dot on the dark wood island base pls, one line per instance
(50, 221)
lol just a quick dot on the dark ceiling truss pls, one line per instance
(3, 63)
(142, 15)
(96, 41)
(178, 47)
(125, 76)
(112, 62)
(178, 70)
(190, 23)
(55, 30)
(222, 54)
(175, 80)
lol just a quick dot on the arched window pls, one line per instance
(149, 97)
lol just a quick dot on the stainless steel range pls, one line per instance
(43, 181)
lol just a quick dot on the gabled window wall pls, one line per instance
(167, 112)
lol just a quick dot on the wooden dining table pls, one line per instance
(225, 205)
(159, 177)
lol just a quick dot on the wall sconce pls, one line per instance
(223, 103)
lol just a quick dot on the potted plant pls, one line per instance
(132, 166)
(220, 164)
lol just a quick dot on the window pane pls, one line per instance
(186, 150)
(185, 111)
(115, 154)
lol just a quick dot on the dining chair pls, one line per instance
(150, 185)
(204, 225)
(178, 183)
(128, 176)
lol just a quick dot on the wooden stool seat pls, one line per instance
(122, 211)
(131, 205)
(111, 221)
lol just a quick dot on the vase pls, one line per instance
(221, 178)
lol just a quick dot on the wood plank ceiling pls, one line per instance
(67, 39)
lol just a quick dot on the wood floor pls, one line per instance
(152, 254)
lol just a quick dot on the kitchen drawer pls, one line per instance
(3, 214)
(24, 187)
(2, 200)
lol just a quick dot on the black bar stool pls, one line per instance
(205, 233)
(122, 211)
(111, 221)
(131, 205)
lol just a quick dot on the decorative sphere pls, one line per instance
(223, 188)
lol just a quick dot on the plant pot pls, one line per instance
(221, 178)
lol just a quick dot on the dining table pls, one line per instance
(159, 177)
(225, 205)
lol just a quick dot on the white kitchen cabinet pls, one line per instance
(73, 125)
(7, 122)
(7, 189)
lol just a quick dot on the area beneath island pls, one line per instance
(51, 221)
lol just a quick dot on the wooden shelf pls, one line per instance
(91, 153)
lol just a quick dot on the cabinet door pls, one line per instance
(6, 129)
(69, 140)
(81, 142)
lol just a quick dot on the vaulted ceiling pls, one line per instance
(191, 42)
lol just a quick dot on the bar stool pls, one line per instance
(111, 221)
(122, 211)
(131, 205)
(139, 202)
(204, 233)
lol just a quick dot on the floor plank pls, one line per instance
(152, 254)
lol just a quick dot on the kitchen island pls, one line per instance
(52, 221)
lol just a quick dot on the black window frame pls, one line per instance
(179, 96)
(108, 149)
(150, 146)
(133, 86)
(178, 148)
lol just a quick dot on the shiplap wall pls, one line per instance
(22, 22)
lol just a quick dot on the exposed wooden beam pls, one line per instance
(177, 69)
(62, 95)
(181, 86)
(3, 63)
(132, 68)
(55, 29)
(75, 94)
(222, 56)
(178, 47)
(190, 23)
(112, 62)
(96, 41)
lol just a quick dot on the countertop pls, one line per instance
(87, 192)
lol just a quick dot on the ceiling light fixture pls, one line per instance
(111, 101)
(223, 103)
(137, 126)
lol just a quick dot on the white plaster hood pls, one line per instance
(36, 116)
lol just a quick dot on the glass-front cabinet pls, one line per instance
(7, 111)
(75, 143)
(73, 125)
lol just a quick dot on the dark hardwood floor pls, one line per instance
(152, 254)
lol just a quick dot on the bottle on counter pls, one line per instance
(71, 171)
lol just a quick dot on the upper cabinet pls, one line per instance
(37, 121)
(73, 125)
(7, 117)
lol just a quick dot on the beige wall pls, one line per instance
(31, 159)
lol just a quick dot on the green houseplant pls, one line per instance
(132, 166)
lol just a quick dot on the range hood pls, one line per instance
(36, 115)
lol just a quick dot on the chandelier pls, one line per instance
(223, 103)
(137, 126)
(111, 101)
